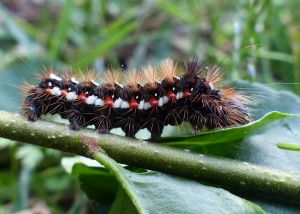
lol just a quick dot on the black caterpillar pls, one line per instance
(195, 97)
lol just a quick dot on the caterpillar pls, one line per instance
(151, 98)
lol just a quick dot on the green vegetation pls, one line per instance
(255, 41)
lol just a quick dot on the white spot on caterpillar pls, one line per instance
(141, 105)
(60, 135)
(7, 125)
(53, 76)
(55, 91)
(53, 137)
(73, 80)
(13, 120)
(91, 100)
(165, 99)
(92, 81)
(211, 85)
(118, 103)
(124, 105)
(179, 95)
(32, 134)
(99, 102)
(71, 96)
(13, 131)
(147, 105)
(161, 101)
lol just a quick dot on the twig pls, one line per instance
(230, 174)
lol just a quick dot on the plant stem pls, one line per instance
(231, 174)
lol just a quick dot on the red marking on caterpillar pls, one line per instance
(196, 96)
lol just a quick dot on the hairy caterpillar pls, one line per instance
(151, 98)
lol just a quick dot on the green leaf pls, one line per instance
(101, 180)
(260, 146)
(154, 192)
(289, 146)
(227, 135)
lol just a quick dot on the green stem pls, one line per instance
(231, 174)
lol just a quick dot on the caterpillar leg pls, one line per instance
(172, 117)
(155, 126)
(76, 120)
(197, 120)
(103, 124)
(32, 114)
(31, 110)
(130, 126)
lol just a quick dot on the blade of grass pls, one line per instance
(61, 30)
(273, 55)
(110, 42)
(177, 10)
(14, 29)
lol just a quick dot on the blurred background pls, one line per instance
(250, 40)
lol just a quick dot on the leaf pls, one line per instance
(260, 146)
(154, 192)
(227, 135)
(289, 146)
(101, 180)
